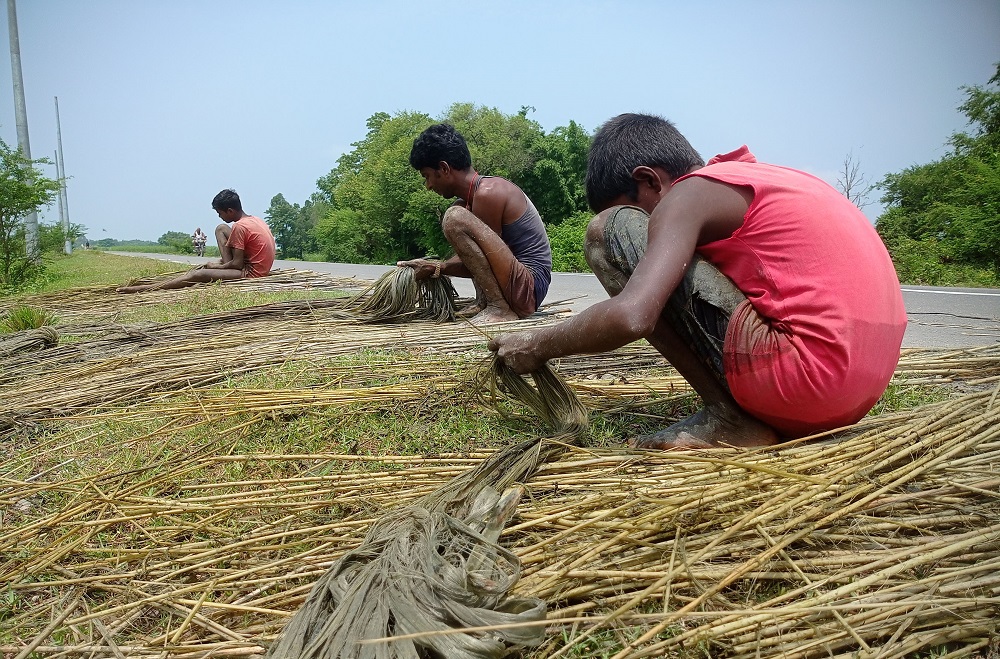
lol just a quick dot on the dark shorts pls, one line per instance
(519, 290)
(699, 309)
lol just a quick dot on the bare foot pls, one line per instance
(469, 310)
(130, 289)
(714, 426)
(491, 315)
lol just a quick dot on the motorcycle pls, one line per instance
(199, 246)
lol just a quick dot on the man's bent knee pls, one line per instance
(594, 245)
(622, 240)
(456, 219)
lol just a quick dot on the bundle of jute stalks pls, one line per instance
(882, 539)
(397, 295)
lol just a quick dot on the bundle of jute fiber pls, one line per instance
(26, 340)
(397, 295)
(430, 576)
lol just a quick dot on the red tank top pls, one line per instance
(814, 268)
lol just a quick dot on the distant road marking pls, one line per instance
(923, 290)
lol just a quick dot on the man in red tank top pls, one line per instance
(766, 288)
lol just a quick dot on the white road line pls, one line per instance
(921, 290)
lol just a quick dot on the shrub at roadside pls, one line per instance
(23, 189)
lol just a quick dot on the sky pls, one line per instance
(165, 102)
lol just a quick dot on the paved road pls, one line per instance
(939, 317)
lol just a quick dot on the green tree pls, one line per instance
(292, 226)
(949, 210)
(178, 241)
(556, 181)
(23, 189)
(375, 182)
(342, 236)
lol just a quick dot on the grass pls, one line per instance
(405, 400)
(95, 268)
(24, 318)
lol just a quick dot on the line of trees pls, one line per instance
(373, 207)
(941, 222)
(942, 219)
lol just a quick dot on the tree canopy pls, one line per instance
(946, 214)
(374, 207)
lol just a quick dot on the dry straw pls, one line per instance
(881, 540)
(887, 539)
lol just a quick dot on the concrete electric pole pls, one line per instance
(61, 173)
(21, 119)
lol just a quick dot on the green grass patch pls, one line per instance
(901, 397)
(95, 268)
(25, 317)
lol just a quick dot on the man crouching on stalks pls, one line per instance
(763, 286)
(498, 236)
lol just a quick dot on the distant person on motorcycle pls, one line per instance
(198, 239)
(247, 248)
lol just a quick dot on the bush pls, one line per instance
(930, 263)
(567, 243)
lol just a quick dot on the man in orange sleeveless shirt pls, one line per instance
(247, 248)
(763, 286)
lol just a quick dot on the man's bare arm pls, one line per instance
(694, 212)
(238, 262)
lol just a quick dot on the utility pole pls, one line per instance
(62, 221)
(61, 173)
(21, 119)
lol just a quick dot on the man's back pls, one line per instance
(814, 268)
(254, 237)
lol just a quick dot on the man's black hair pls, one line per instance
(227, 199)
(440, 142)
(629, 141)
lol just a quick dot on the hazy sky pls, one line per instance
(165, 102)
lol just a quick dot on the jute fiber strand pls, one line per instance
(142, 363)
(27, 341)
(86, 303)
(435, 565)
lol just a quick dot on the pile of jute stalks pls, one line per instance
(879, 540)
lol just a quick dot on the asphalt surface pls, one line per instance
(938, 317)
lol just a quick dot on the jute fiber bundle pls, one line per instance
(27, 341)
(140, 363)
(435, 566)
(397, 295)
